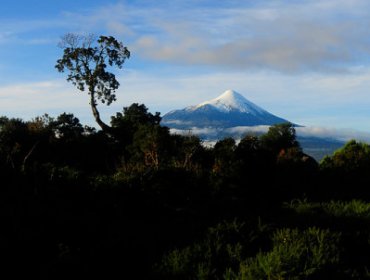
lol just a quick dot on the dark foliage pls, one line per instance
(87, 63)
(141, 203)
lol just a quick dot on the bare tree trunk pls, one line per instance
(28, 155)
(106, 128)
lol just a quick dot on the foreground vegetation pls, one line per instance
(140, 203)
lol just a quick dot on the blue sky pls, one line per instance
(306, 61)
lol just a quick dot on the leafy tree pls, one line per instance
(150, 144)
(223, 169)
(250, 159)
(135, 115)
(188, 151)
(278, 137)
(67, 126)
(348, 166)
(87, 65)
(224, 154)
(248, 151)
(354, 156)
(15, 142)
(125, 124)
(40, 123)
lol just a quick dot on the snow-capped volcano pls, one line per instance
(230, 100)
(228, 110)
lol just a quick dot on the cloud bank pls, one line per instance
(284, 36)
(342, 135)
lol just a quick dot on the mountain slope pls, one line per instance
(228, 110)
(232, 115)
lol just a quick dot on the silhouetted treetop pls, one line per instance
(280, 136)
(87, 61)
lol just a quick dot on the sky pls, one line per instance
(307, 61)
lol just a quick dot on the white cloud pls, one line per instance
(211, 132)
(288, 37)
(243, 130)
(339, 134)
(34, 99)
(310, 131)
(285, 36)
(31, 31)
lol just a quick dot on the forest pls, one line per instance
(141, 203)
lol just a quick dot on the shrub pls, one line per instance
(295, 255)
(339, 209)
(225, 246)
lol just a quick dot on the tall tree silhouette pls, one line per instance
(86, 60)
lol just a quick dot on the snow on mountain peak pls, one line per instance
(230, 100)
(230, 109)
(229, 94)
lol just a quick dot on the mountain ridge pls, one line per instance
(230, 109)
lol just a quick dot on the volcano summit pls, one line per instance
(230, 109)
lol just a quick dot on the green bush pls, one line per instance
(226, 253)
(224, 246)
(353, 156)
(339, 209)
(295, 255)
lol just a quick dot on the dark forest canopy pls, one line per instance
(141, 203)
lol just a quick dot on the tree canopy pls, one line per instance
(147, 204)
(87, 61)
